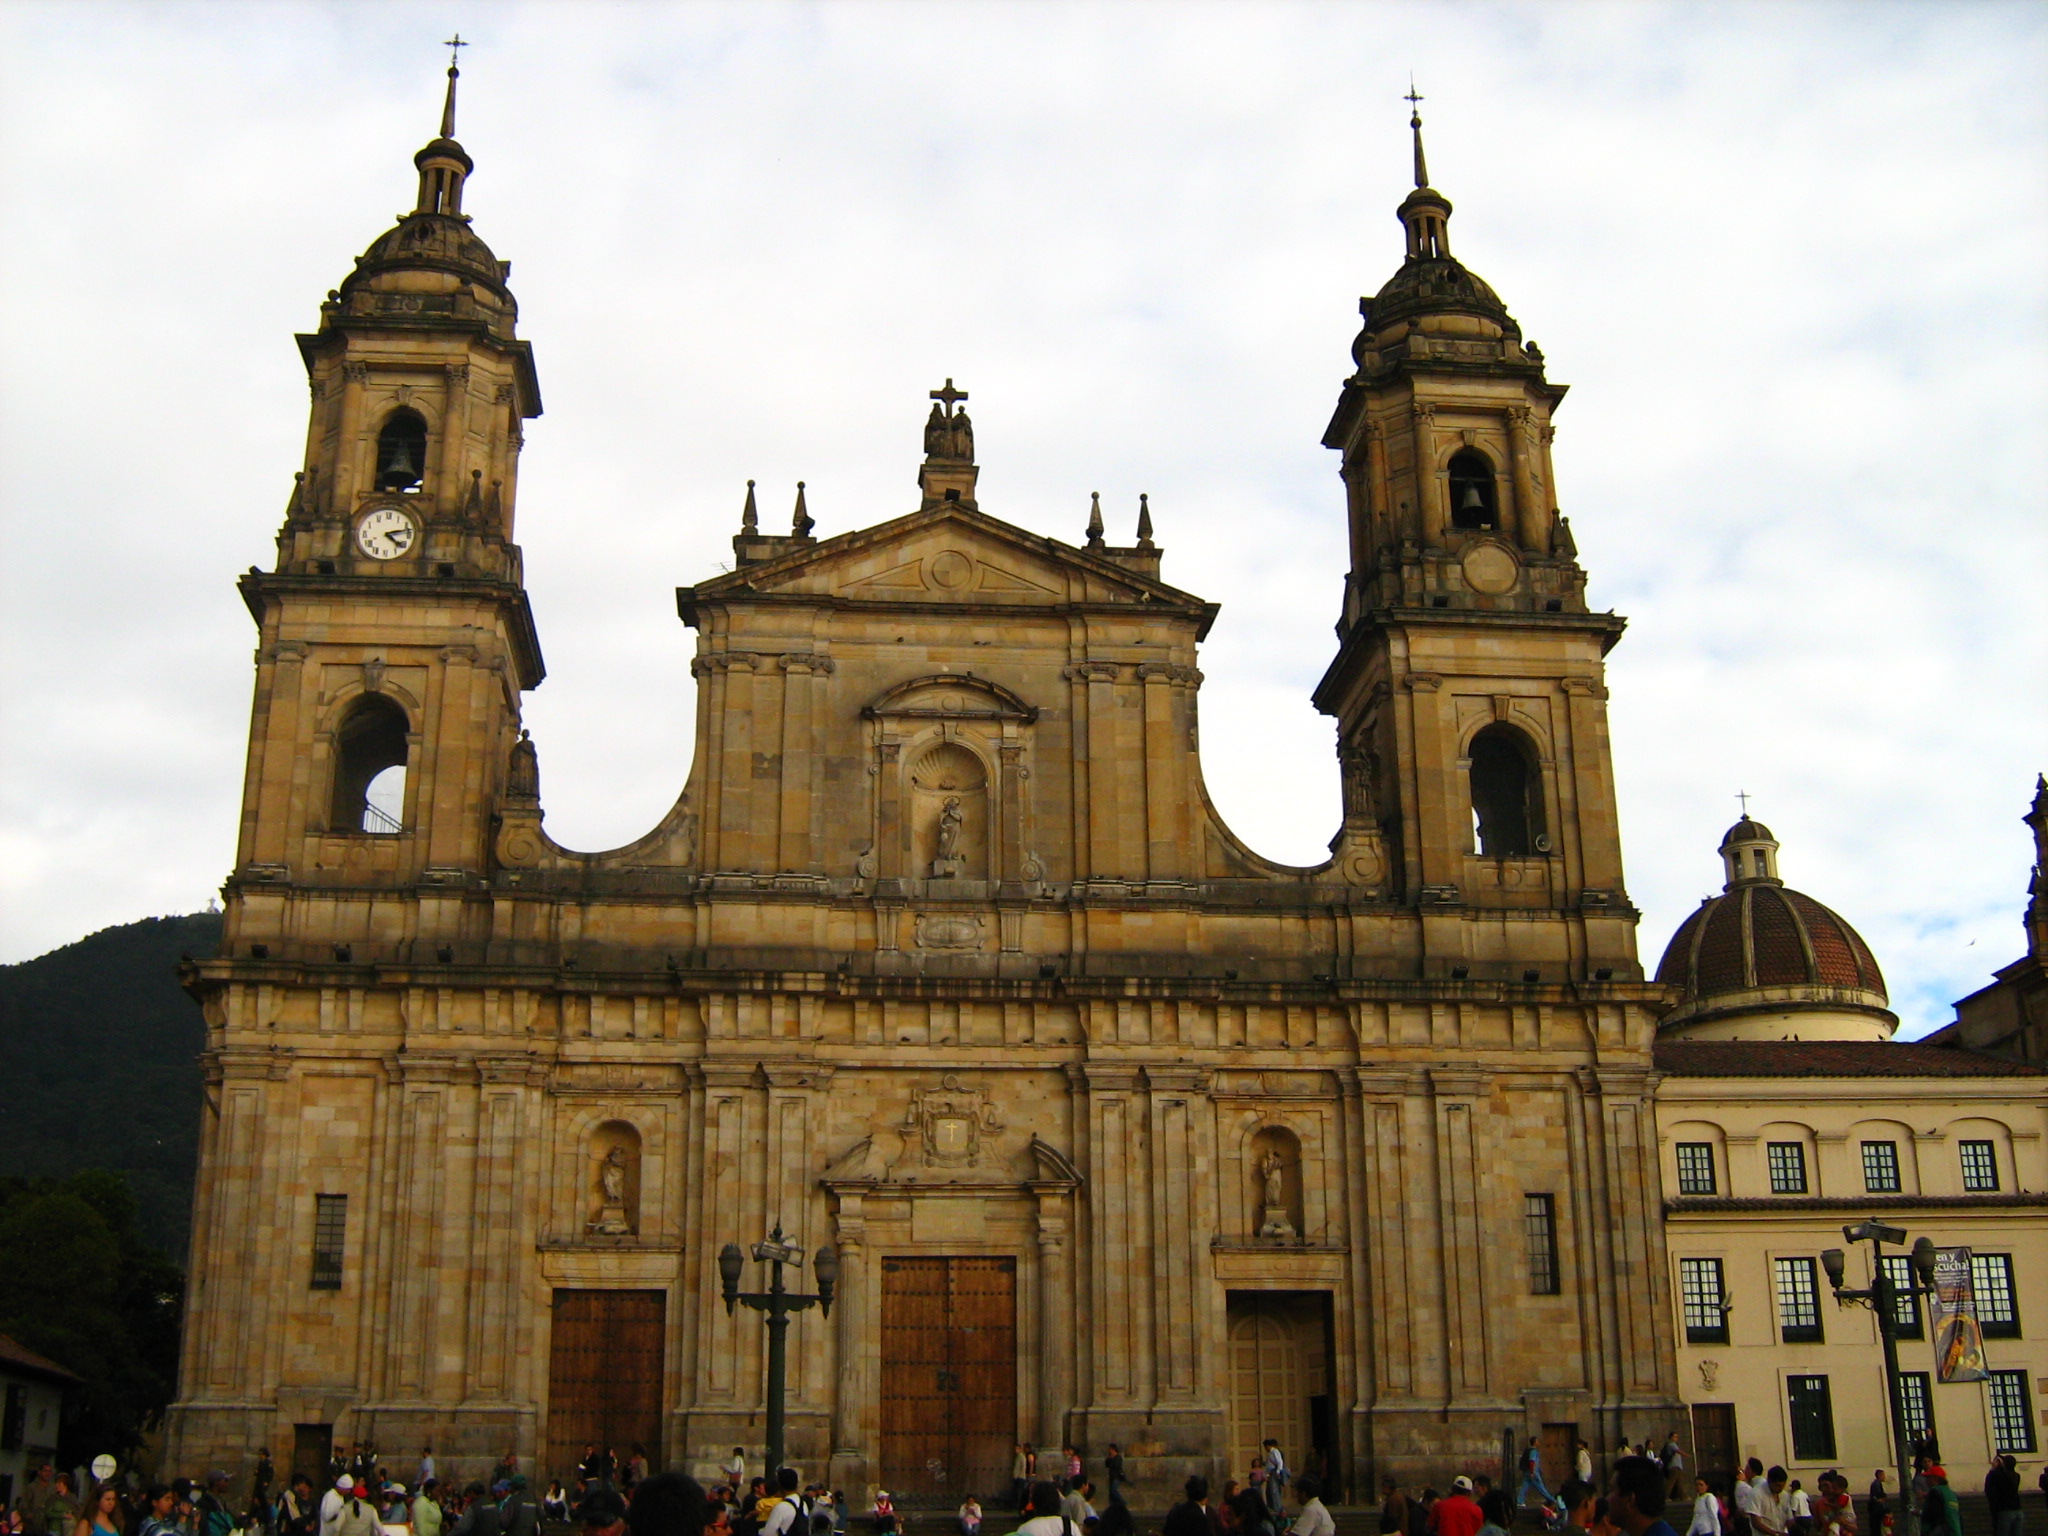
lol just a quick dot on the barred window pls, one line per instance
(1696, 1168)
(1539, 1224)
(1798, 1306)
(1881, 1167)
(1980, 1165)
(1788, 1167)
(2012, 1417)
(1700, 1291)
(1916, 1405)
(1991, 1280)
(1898, 1268)
(330, 1233)
(1813, 1417)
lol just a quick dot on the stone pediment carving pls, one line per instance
(947, 554)
(950, 696)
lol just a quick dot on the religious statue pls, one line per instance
(1272, 1174)
(947, 860)
(611, 1182)
(523, 782)
(949, 434)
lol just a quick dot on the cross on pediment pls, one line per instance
(949, 395)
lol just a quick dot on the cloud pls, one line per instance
(1790, 257)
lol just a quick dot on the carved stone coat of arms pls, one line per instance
(949, 1121)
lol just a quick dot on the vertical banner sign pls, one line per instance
(1958, 1341)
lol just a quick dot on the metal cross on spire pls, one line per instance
(1414, 100)
(949, 395)
(455, 45)
(1743, 796)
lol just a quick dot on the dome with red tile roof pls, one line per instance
(1763, 962)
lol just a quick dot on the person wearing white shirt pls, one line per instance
(783, 1516)
(331, 1502)
(1706, 1511)
(1314, 1519)
(1582, 1468)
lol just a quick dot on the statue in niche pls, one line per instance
(611, 1220)
(1272, 1169)
(949, 813)
(946, 862)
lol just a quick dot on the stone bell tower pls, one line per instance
(1468, 684)
(396, 635)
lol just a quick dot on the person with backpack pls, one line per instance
(783, 1517)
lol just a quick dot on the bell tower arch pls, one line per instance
(1469, 667)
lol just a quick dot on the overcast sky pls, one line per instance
(1792, 260)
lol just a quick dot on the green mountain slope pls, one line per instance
(99, 1065)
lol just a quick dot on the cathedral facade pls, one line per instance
(1119, 1131)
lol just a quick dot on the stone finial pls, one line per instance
(1095, 520)
(801, 523)
(1144, 521)
(750, 515)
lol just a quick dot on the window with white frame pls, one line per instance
(1898, 1268)
(1788, 1167)
(1916, 1405)
(1696, 1168)
(1881, 1167)
(2012, 1417)
(1998, 1314)
(1980, 1165)
(1701, 1292)
(1798, 1301)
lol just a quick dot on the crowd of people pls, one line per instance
(614, 1495)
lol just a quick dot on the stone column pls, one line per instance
(451, 457)
(1106, 762)
(422, 1161)
(1532, 517)
(892, 851)
(1056, 1315)
(349, 449)
(1009, 857)
(852, 1395)
(1429, 490)
(1166, 797)
(1461, 1157)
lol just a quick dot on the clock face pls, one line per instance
(386, 533)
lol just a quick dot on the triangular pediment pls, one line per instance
(943, 556)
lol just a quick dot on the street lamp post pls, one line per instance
(1883, 1297)
(778, 1303)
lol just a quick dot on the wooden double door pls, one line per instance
(605, 1375)
(948, 1377)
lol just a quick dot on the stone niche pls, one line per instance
(949, 813)
(611, 1204)
(1273, 1171)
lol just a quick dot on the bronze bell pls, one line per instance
(399, 472)
(1473, 501)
